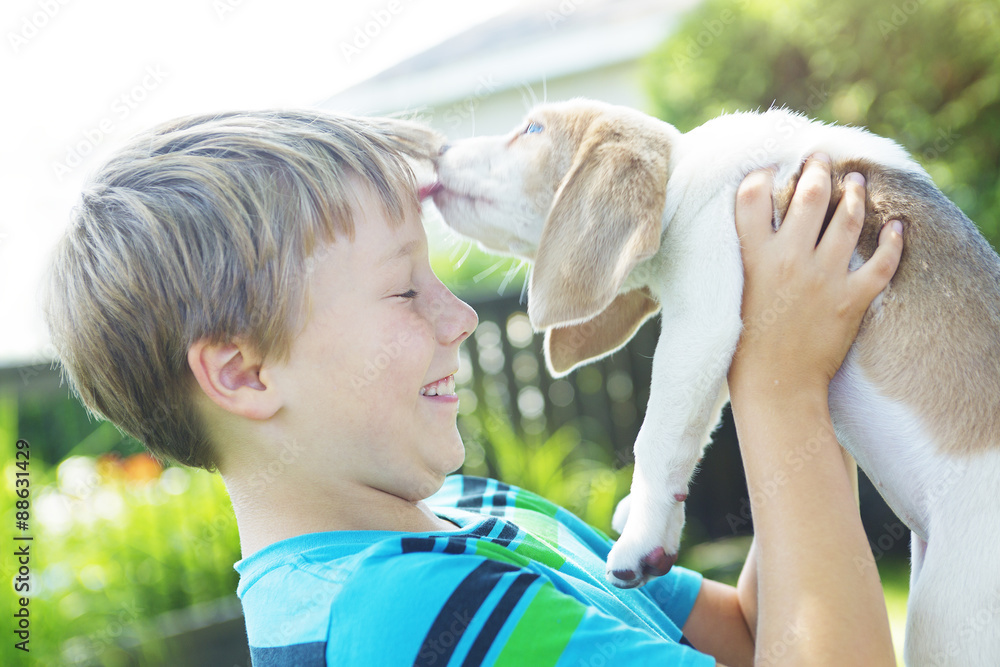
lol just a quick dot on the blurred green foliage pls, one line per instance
(116, 542)
(925, 73)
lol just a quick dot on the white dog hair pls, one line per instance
(622, 215)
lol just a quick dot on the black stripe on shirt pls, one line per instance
(497, 618)
(508, 533)
(473, 489)
(411, 545)
(456, 545)
(485, 528)
(458, 611)
(500, 497)
(310, 654)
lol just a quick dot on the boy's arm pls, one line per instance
(807, 593)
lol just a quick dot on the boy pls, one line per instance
(226, 288)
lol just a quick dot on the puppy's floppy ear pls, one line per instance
(568, 347)
(605, 219)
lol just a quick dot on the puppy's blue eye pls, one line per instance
(533, 128)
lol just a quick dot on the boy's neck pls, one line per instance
(274, 514)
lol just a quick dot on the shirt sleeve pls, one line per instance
(675, 593)
(470, 610)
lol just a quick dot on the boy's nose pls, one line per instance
(457, 320)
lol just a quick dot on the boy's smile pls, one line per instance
(441, 389)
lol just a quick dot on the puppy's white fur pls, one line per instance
(570, 189)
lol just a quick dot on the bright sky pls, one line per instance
(82, 77)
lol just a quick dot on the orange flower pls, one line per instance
(141, 467)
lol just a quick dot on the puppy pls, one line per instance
(622, 216)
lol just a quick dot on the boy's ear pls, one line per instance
(230, 375)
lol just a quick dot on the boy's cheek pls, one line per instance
(393, 359)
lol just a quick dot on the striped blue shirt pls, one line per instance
(521, 583)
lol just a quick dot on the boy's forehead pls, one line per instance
(404, 250)
(379, 240)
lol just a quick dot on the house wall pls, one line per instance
(497, 106)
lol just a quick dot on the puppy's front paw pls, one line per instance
(645, 551)
(654, 564)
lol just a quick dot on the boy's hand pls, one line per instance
(801, 306)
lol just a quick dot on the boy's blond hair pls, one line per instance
(201, 228)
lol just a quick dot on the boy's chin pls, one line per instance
(459, 458)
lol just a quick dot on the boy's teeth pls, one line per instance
(445, 387)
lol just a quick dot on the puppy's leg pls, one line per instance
(953, 613)
(620, 517)
(686, 396)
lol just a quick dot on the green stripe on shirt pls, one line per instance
(494, 551)
(524, 648)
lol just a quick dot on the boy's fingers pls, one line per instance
(755, 208)
(807, 211)
(874, 275)
(841, 236)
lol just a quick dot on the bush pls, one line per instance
(925, 73)
(116, 542)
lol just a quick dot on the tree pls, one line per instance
(925, 73)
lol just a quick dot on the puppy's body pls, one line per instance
(622, 214)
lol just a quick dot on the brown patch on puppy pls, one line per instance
(934, 341)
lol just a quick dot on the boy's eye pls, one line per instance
(408, 294)
(533, 128)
